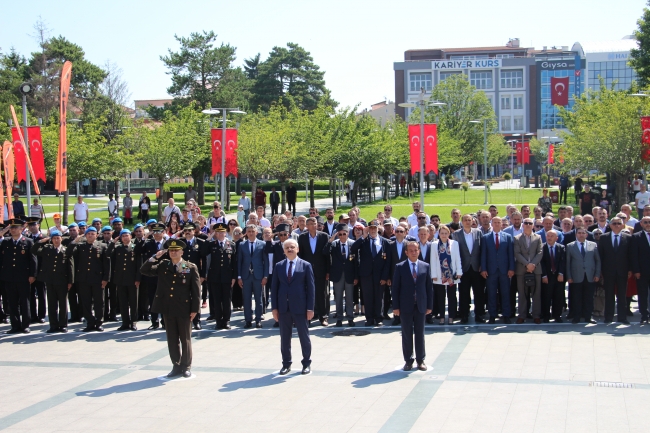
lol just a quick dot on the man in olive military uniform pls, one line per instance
(37, 289)
(18, 272)
(178, 299)
(111, 303)
(56, 274)
(92, 272)
(222, 274)
(126, 278)
(143, 295)
(69, 239)
(195, 251)
(146, 250)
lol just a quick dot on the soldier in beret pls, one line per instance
(57, 274)
(37, 289)
(221, 274)
(178, 298)
(126, 278)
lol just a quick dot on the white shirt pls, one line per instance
(516, 232)
(168, 210)
(423, 249)
(413, 220)
(469, 240)
(636, 185)
(312, 243)
(245, 202)
(644, 199)
(264, 222)
(413, 231)
(112, 206)
(293, 269)
(80, 211)
(400, 247)
(495, 235)
(631, 221)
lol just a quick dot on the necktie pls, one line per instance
(251, 249)
(220, 244)
(552, 249)
(415, 277)
(343, 251)
(158, 246)
(582, 250)
(415, 274)
(373, 247)
(496, 237)
(615, 242)
(290, 274)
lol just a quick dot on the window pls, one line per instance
(512, 79)
(446, 74)
(518, 122)
(518, 102)
(481, 56)
(419, 80)
(505, 102)
(505, 124)
(481, 79)
(505, 56)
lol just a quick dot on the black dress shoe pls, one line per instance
(226, 325)
(492, 321)
(197, 326)
(99, 328)
(51, 331)
(644, 321)
(351, 323)
(408, 366)
(248, 325)
(396, 321)
(4, 321)
(306, 370)
(379, 323)
(629, 313)
(593, 322)
(258, 325)
(558, 320)
(88, 329)
(429, 320)
(276, 325)
(124, 328)
(285, 371)
(479, 319)
(63, 330)
(507, 320)
(154, 326)
(422, 366)
(134, 327)
(187, 374)
(209, 319)
(368, 323)
(176, 371)
(624, 322)
(40, 320)
(26, 331)
(339, 323)
(13, 331)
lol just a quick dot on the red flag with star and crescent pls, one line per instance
(35, 153)
(526, 153)
(645, 138)
(519, 151)
(431, 148)
(551, 154)
(560, 91)
(19, 155)
(414, 147)
(231, 152)
(215, 139)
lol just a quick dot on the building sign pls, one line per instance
(558, 64)
(466, 64)
(617, 56)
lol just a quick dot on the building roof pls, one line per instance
(616, 46)
(154, 102)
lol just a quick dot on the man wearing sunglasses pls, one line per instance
(343, 272)
(639, 251)
(422, 221)
(614, 248)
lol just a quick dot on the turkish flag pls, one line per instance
(215, 139)
(645, 138)
(231, 152)
(431, 148)
(35, 153)
(19, 155)
(519, 148)
(526, 153)
(560, 91)
(414, 147)
(551, 154)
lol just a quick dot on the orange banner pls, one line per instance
(27, 160)
(8, 161)
(61, 178)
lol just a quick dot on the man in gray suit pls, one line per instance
(469, 242)
(583, 272)
(253, 270)
(528, 255)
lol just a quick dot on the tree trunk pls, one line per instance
(333, 189)
(66, 203)
(253, 190)
(283, 198)
(199, 185)
(238, 184)
(161, 189)
(312, 202)
(353, 193)
(621, 192)
(226, 205)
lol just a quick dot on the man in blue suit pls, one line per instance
(292, 299)
(497, 267)
(252, 270)
(412, 292)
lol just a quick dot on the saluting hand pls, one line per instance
(160, 253)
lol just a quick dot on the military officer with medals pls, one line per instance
(195, 252)
(143, 295)
(178, 299)
(92, 272)
(111, 303)
(126, 278)
(37, 293)
(18, 272)
(221, 274)
(146, 250)
(57, 274)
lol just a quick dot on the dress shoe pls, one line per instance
(176, 371)
(209, 319)
(40, 320)
(574, 321)
(258, 325)
(13, 331)
(558, 320)
(226, 325)
(154, 326)
(99, 328)
(396, 321)
(51, 331)
(593, 321)
(26, 331)
(519, 321)
(430, 320)
(197, 326)
(629, 313)
(624, 322)
(506, 320)
(492, 321)
(5, 321)
(285, 371)
(248, 325)
(464, 321)
(538, 321)
(63, 330)
(124, 328)
(187, 374)
(408, 366)
(369, 323)
(351, 323)
(422, 366)
(339, 323)
(276, 325)
(324, 322)
(386, 317)
(306, 370)
(134, 327)
(88, 329)
(379, 323)
(644, 321)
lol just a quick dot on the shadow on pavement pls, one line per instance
(125, 387)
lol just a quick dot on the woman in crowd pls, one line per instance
(545, 202)
(232, 224)
(446, 270)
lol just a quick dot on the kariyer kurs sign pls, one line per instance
(466, 64)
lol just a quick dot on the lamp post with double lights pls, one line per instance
(212, 112)
(422, 102)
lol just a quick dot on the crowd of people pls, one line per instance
(528, 265)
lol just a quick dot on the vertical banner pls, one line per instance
(215, 139)
(645, 138)
(519, 147)
(578, 75)
(526, 153)
(25, 156)
(551, 154)
(431, 148)
(2, 192)
(61, 178)
(8, 162)
(560, 91)
(231, 152)
(414, 147)
(19, 155)
(35, 153)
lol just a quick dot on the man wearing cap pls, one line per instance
(374, 271)
(221, 274)
(74, 300)
(82, 228)
(178, 299)
(58, 226)
(343, 272)
(310, 248)
(118, 225)
(150, 224)
(143, 296)
(57, 274)
(111, 303)
(195, 251)
(37, 289)
(147, 250)
(97, 223)
(92, 272)
(126, 278)
(17, 273)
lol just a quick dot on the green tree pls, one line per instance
(640, 57)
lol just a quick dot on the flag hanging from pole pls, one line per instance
(25, 155)
(519, 149)
(526, 153)
(2, 192)
(35, 153)
(215, 139)
(551, 154)
(61, 178)
(414, 147)
(8, 162)
(231, 152)
(560, 91)
(431, 148)
(645, 138)
(19, 155)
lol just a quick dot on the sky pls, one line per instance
(355, 42)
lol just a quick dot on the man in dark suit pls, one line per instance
(126, 278)
(221, 275)
(343, 272)
(330, 226)
(292, 300)
(275, 254)
(412, 300)
(310, 248)
(638, 227)
(553, 270)
(178, 299)
(640, 251)
(374, 267)
(497, 267)
(397, 255)
(292, 194)
(582, 273)
(614, 248)
(253, 271)
(195, 252)
(274, 200)
(601, 222)
(36, 309)
(146, 250)
(469, 245)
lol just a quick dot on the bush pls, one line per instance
(507, 176)
(319, 185)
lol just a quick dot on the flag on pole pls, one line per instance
(8, 162)
(231, 152)
(215, 139)
(61, 178)
(645, 138)
(551, 154)
(431, 148)
(414, 147)
(35, 153)
(25, 156)
(560, 91)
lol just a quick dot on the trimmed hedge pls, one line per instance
(319, 185)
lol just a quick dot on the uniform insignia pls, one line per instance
(22, 252)
(173, 244)
(383, 256)
(196, 246)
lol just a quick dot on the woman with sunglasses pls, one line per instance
(216, 215)
(232, 224)
(446, 270)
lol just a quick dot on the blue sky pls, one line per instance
(355, 42)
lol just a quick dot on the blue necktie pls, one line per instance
(373, 247)
(289, 274)
(582, 250)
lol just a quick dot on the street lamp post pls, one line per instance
(523, 146)
(645, 180)
(484, 121)
(25, 89)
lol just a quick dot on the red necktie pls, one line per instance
(497, 240)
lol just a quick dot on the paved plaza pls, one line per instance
(481, 378)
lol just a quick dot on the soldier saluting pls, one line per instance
(126, 277)
(177, 298)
